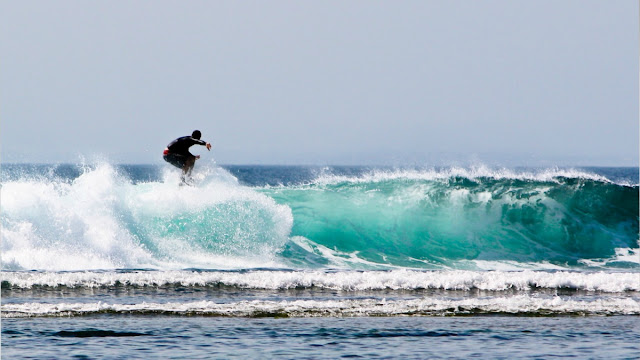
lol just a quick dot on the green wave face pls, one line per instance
(401, 221)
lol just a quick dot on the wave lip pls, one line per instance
(347, 281)
(474, 173)
(523, 305)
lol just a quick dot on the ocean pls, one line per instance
(107, 261)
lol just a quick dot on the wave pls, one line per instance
(346, 281)
(523, 305)
(448, 218)
(98, 217)
(103, 220)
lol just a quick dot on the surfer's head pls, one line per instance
(196, 134)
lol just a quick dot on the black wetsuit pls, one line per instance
(178, 150)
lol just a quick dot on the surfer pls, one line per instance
(177, 152)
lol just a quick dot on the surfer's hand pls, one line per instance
(197, 157)
(209, 146)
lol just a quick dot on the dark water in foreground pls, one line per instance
(170, 337)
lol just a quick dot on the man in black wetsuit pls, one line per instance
(177, 152)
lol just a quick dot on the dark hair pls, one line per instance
(196, 134)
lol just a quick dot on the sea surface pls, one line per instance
(107, 261)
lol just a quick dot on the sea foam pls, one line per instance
(495, 281)
(515, 305)
(102, 220)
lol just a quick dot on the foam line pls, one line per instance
(336, 280)
(516, 305)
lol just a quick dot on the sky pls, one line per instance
(427, 82)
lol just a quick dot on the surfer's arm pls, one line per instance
(202, 142)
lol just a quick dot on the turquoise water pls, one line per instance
(112, 261)
(420, 222)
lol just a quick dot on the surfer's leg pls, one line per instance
(181, 162)
(175, 160)
(188, 166)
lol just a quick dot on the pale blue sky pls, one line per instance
(322, 82)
